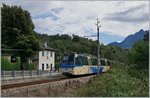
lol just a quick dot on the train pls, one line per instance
(82, 64)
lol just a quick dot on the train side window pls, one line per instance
(85, 61)
(108, 63)
(103, 63)
(78, 60)
(94, 61)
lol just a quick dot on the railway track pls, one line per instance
(3, 87)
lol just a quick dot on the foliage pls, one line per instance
(139, 54)
(18, 31)
(57, 65)
(29, 43)
(120, 81)
(146, 36)
(31, 66)
(7, 65)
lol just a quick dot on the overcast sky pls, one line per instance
(79, 17)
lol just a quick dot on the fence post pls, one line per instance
(58, 71)
(14, 74)
(23, 73)
(31, 73)
(38, 73)
(3, 72)
(41, 72)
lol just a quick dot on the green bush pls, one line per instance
(7, 65)
(31, 67)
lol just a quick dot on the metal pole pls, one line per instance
(98, 55)
(97, 51)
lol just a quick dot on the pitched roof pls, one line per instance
(45, 47)
(48, 48)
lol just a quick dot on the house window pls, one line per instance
(13, 59)
(51, 54)
(47, 53)
(42, 53)
(29, 61)
(42, 66)
(47, 66)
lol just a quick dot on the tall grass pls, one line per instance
(120, 81)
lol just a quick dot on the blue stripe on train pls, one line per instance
(94, 69)
(69, 65)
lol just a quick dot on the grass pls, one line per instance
(120, 81)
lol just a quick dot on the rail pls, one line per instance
(6, 75)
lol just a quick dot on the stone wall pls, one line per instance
(53, 89)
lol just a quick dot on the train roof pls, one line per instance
(89, 55)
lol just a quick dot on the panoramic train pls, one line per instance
(82, 64)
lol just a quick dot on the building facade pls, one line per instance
(45, 59)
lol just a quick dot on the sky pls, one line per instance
(118, 19)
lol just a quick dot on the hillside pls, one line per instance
(130, 40)
(65, 43)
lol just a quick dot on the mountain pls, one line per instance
(106, 38)
(130, 40)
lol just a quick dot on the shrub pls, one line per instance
(31, 66)
(7, 65)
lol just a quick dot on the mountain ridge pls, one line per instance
(130, 39)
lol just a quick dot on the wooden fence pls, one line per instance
(26, 73)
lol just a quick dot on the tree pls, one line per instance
(140, 54)
(146, 36)
(75, 38)
(18, 31)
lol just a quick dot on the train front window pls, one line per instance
(68, 59)
(65, 59)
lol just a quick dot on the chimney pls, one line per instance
(45, 44)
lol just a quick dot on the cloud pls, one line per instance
(48, 14)
(57, 10)
(79, 17)
(135, 14)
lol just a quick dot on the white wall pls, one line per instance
(46, 59)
